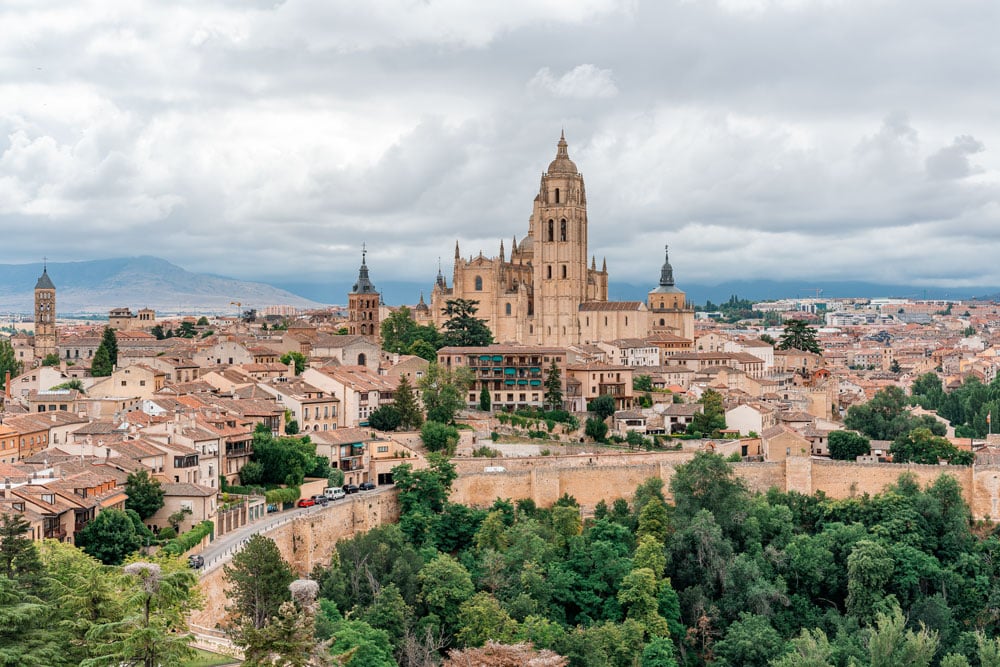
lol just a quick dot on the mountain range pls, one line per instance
(96, 286)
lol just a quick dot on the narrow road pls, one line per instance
(223, 549)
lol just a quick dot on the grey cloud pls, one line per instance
(953, 161)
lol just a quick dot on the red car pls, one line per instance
(307, 502)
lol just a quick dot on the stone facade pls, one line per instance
(45, 316)
(545, 293)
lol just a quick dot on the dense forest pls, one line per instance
(720, 576)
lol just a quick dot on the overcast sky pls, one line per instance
(784, 139)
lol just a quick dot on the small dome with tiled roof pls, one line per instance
(562, 164)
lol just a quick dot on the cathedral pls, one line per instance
(545, 293)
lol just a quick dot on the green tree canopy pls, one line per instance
(463, 328)
(110, 537)
(553, 398)
(145, 494)
(602, 407)
(799, 335)
(8, 362)
(258, 579)
(297, 358)
(444, 391)
(922, 446)
(847, 445)
(385, 418)
(438, 437)
(106, 356)
(410, 416)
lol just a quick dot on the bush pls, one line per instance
(494, 436)
(190, 539)
(281, 496)
(487, 452)
(541, 435)
(596, 429)
(438, 437)
(167, 533)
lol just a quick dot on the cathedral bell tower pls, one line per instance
(559, 235)
(363, 304)
(45, 316)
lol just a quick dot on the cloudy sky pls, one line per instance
(789, 139)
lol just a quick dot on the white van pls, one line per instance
(334, 492)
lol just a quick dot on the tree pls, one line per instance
(595, 428)
(157, 331)
(186, 329)
(659, 653)
(922, 446)
(481, 619)
(485, 401)
(397, 331)
(463, 328)
(153, 628)
(145, 494)
(297, 357)
(847, 445)
(202, 321)
(422, 349)
(869, 569)
(106, 356)
(891, 644)
(712, 417)
(767, 338)
(885, 417)
(8, 362)
(707, 482)
(602, 406)
(410, 416)
(75, 383)
(749, 642)
(799, 335)
(19, 560)
(438, 437)
(444, 392)
(385, 418)
(495, 654)
(51, 360)
(26, 637)
(642, 383)
(286, 460)
(444, 585)
(553, 398)
(110, 537)
(894, 367)
(258, 579)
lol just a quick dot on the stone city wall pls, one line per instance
(310, 539)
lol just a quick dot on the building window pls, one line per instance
(382, 449)
(564, 270)
(479, 283)
(562, 229)
(507, 309)
(557, 195)
(552, 230)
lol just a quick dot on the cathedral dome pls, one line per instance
(562, 164)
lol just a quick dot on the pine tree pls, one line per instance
(259, 579)
(410, 416)
(553, 388)
(106, 356)
(19, 559)
(485, 403)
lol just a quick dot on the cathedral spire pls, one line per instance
(501, 250)
(604, 265)
(364, 284)
(457, 255)
(667, 272)
(593, 262)
(440, 276)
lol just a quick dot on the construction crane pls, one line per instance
(816, 291)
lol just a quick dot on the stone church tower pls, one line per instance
(45, 316)
(363, 305)
(669, 311)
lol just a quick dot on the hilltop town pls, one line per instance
(520, 369)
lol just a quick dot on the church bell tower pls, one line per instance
(363, 304)
(45, 316)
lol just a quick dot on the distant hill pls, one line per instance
(407, 293)
(136, 282)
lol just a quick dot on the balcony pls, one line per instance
(351, 464)
(58, 533)
(239, 449)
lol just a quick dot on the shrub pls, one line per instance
(486, 452)
(190, 539)
(167, 533)
(281, 496)
(541, 435)
(596, 429)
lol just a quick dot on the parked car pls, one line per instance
(273, 507)
(366, 486)
(334, 492)
(350, 488)
(197, 561)
(306, 502)
(321, 500)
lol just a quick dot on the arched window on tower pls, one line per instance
(564, 271)
(552, 230)
(507, 309)
(562, 229)
(662, 322)
(557, 195)
(362, 359)
(548, 271)
(479, 283)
